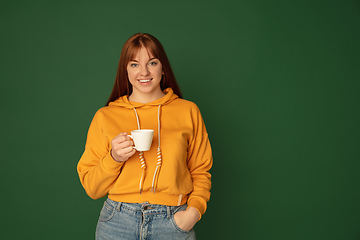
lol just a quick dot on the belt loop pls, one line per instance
(168, 212)
(118, 206)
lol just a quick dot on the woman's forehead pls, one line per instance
(142, 50)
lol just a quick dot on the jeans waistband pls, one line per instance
(145, 206)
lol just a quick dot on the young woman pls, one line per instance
(160, 193)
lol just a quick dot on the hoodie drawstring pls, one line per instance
(159, 158)
(142, 159)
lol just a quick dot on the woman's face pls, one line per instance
(144, 73)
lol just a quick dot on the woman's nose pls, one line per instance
(144, 71)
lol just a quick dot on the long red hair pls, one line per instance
(122, 85)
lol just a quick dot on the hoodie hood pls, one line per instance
(124, 100)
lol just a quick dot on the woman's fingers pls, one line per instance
(121, 138)
(122, 148)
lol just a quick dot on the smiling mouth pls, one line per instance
(145, 80)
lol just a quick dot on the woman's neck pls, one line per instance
(144, 97)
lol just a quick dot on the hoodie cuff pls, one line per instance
(198, 204)
(110, 164)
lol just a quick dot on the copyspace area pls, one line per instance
(277, 83)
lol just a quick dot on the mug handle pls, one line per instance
(130, 136)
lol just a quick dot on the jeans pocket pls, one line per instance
(107, 212)
(181, 208)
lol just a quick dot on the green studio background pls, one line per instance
(277, 83)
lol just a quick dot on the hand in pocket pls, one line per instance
(187, 219)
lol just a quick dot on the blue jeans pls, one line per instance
(140, 221)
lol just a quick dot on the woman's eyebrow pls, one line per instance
(148, 61)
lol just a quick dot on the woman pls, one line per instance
(160, 193)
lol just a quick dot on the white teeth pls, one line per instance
(144, 81)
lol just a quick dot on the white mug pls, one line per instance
(142, 139)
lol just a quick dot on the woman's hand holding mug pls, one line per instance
(122, 148)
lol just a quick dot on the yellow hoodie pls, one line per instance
(173, 172)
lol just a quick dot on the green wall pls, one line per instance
(277, 83)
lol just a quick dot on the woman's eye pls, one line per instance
(152, 63)
(134, 65)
